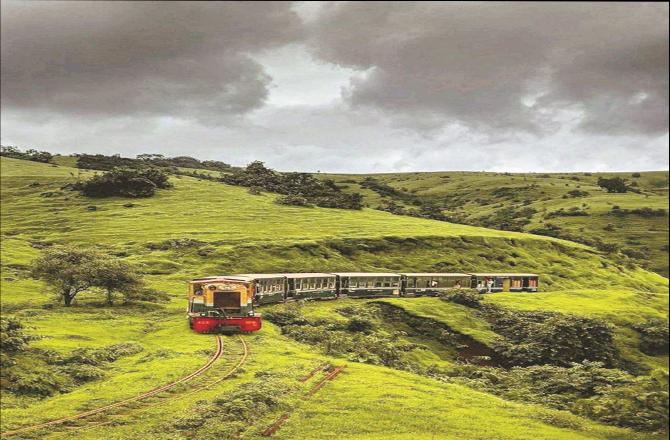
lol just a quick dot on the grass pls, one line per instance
(239, 232)
(471, 198)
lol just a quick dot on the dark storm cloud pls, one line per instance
(190, 60)
(509, 66)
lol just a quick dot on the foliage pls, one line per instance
(653, 337)
(106, 163)
(641, 405)
(643, 212)
(536, 338)
(13, 339)
(229, 414)
(125, 182)
(467, 297)
(613, 185)
(588, 389)
(71, 270)
(293, 200)
(298, 189)
(33, 155)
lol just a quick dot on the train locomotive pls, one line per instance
(227, 303)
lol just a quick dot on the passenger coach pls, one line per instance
(431, 284)
(226, 303)
(505, 282)
(361, 284)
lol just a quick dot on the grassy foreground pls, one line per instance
(202, 228)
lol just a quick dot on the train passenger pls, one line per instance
(458, 285)
(489, 285)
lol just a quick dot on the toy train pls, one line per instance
(226, 303)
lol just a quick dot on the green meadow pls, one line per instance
(201, 228)
(475, 198)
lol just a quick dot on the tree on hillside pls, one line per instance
(71, 270)
(613, 185)
(113, 275)
(67, 270)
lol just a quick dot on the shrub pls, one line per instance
(293, 200)
(231, 413)
(294, 186)
(636, 175)
(13, 339)
(467, 297)
(536, 338)
(360, 325)
(653, 337)
(125, 182)
(641, 405)
(578, 193)
(613, 185)
(33, 155)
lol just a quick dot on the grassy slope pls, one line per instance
(228, 219)
(469, 196)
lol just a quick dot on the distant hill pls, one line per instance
(565, 205)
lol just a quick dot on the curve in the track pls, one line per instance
(101, 409)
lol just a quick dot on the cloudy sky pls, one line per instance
(343, 86)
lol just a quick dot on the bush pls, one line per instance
(13, 339)
(293, 200)
(467, 297)
(653, 337)
(231, 413)
(641, 405)
(587, 389)
(536, 338)
(299, 189)
(33, 155)
(125, 182)
(613, 185)
(360, 325)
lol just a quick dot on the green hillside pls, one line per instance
(203, 228)
(571, 204)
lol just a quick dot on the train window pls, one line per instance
(312, 283)
(378, 283)
(387, 282)
(353, 283)
(395, 283)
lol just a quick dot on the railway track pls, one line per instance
(151, 393)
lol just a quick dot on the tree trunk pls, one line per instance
(67, 298)
(109, 297)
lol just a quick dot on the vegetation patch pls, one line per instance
(229, 415)
(124, 182)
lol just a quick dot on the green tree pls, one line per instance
(613, 185)
(68, 270)
(71, 270)
(113, 275)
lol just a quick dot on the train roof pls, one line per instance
(222, 278)
(260, 276)
(366, 274)
(496, 274)
(309, 275)
(432, 274)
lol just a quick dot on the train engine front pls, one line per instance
(222, 305)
